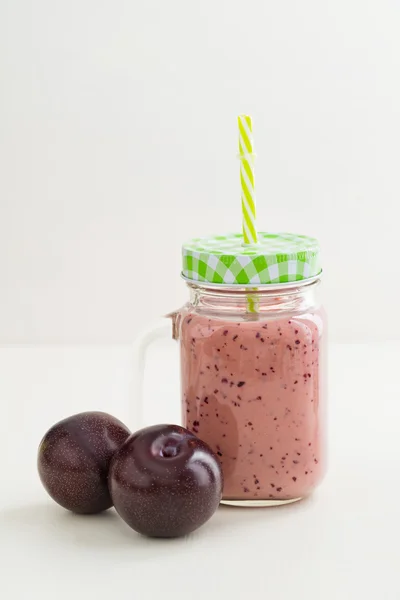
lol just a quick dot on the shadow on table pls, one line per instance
(47, 523)
(51, 522)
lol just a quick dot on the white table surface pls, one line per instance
(343, 543)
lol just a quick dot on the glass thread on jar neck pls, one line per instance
(293, 296)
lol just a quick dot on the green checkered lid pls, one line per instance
(276, 258)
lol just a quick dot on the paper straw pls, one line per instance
(246, 156)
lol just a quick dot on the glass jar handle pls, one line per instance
(163, 328)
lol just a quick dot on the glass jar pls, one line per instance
(252, 361)
(253, 387)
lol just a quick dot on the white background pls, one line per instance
(118, 140)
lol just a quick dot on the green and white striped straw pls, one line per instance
(246, 156)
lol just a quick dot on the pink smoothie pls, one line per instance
(252, 391)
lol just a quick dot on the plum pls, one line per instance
(165, 482)
(74, 458)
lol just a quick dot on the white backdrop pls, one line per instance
(118, 140)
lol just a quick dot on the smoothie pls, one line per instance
(251, 389)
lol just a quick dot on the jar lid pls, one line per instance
(276, 258)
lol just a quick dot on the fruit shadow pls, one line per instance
(53, 525)
(50, 525)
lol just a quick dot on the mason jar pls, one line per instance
(253, 363)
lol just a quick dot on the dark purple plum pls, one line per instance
(165, 482)
(74, 458)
